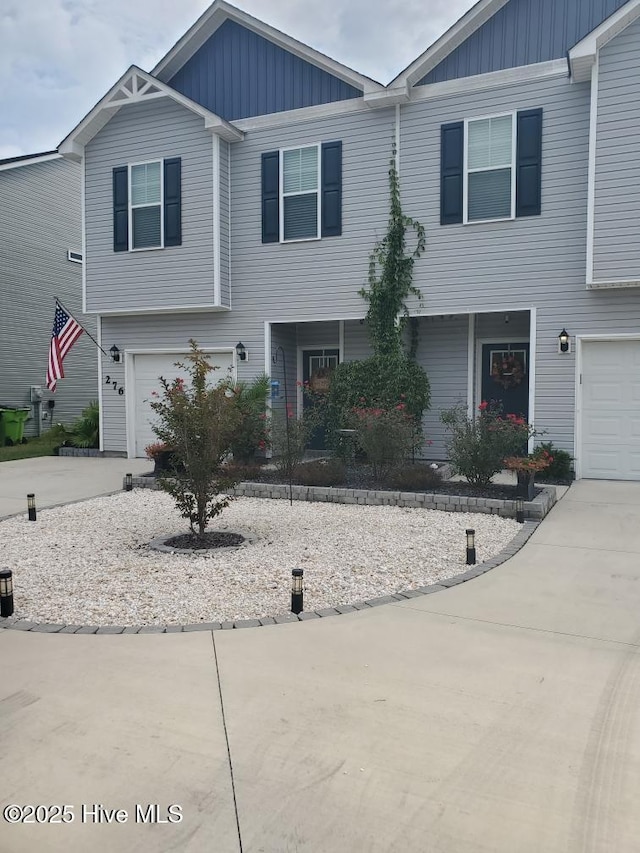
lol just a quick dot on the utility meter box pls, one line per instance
(36, 393)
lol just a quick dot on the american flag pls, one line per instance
(66, 332)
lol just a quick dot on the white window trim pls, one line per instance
(281, 194)
(465, 182)
(159, 204)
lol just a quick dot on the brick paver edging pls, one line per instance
(475, 571)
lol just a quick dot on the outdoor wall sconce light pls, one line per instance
(471, 547)
(115, 353)
(31, 507)
(519, 511)
(6, 593)
(564, 342)
(296, 590)
(241, 350)
(128, 482)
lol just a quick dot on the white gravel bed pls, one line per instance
(90, 564)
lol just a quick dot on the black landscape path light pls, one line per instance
(519, 511)
(471, 547)
(296, 590)
(31, 506)
(6, 593)
(128, 482)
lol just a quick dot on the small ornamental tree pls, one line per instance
(392, 373)
(198, 422)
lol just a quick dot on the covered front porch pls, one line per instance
(467, 357)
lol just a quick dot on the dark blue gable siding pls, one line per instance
(237, 74)
(521, 33)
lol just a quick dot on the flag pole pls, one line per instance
(89, 335)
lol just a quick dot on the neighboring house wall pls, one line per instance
(616, 248)
(523, 32)
(238, 73)
(40, 220)
(178, 276)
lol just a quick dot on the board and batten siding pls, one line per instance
(179, 276)
(40, 220)
(533, 262)
(616, 245)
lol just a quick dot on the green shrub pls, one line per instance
(386, 436)
(85, 432)
(289, 438)
(413, 478)
(561, 469)
(478, 446)
(323, 472)
(251, 434)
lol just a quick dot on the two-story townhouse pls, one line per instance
(235, 193)
(41, 260)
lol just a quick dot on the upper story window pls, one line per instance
(300, 208)
(491, 168)
(147, 205)
(490, 185)
(302, 193)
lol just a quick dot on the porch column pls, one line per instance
(471, 365)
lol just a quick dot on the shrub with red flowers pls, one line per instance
(533, 463)
(198, 421)
(478, 446)
(386, 436)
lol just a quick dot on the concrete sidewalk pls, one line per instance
(498, 716)
(61, 479)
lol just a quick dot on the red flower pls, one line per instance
(483, 405)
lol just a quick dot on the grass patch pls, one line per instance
(42, 446)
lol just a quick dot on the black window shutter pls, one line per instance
(331, 189)
(173, 201)
(451, 168)
(271, 197)
(121, 209)
(529, 163)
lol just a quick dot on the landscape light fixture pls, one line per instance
(519, 511)
(128, 482)
(471, 547)
(31, 506)
(6, 593)
(115, 353)
(241, 350)
(564, 342)
(296, 590)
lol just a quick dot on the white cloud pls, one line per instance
(59, 57)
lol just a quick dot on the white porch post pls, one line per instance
(532, 370)
(471, 349)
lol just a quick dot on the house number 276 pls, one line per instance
(109, 381)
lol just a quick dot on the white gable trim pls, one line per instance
(582, 56)
(218, 13)
(135, 87)
(447, 43)
(28, 160)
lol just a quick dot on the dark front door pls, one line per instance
(505, 377)
(317, 367)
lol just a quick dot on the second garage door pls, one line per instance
(148, 367)
(611, 410)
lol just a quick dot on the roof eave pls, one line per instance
(582, 55)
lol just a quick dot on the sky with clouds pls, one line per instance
(59, 57)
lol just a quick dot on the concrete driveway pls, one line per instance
(500, 715)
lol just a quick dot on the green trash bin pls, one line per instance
(12, 425)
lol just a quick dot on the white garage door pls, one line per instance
(611, 410)
(147, 370)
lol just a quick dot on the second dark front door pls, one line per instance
(505, 377)
(317, 367)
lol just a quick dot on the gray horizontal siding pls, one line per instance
(39, 222)
(538, 261)
(616, 248)
(313, 279)
(312, 335)
(524, 32)
(159, 278)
